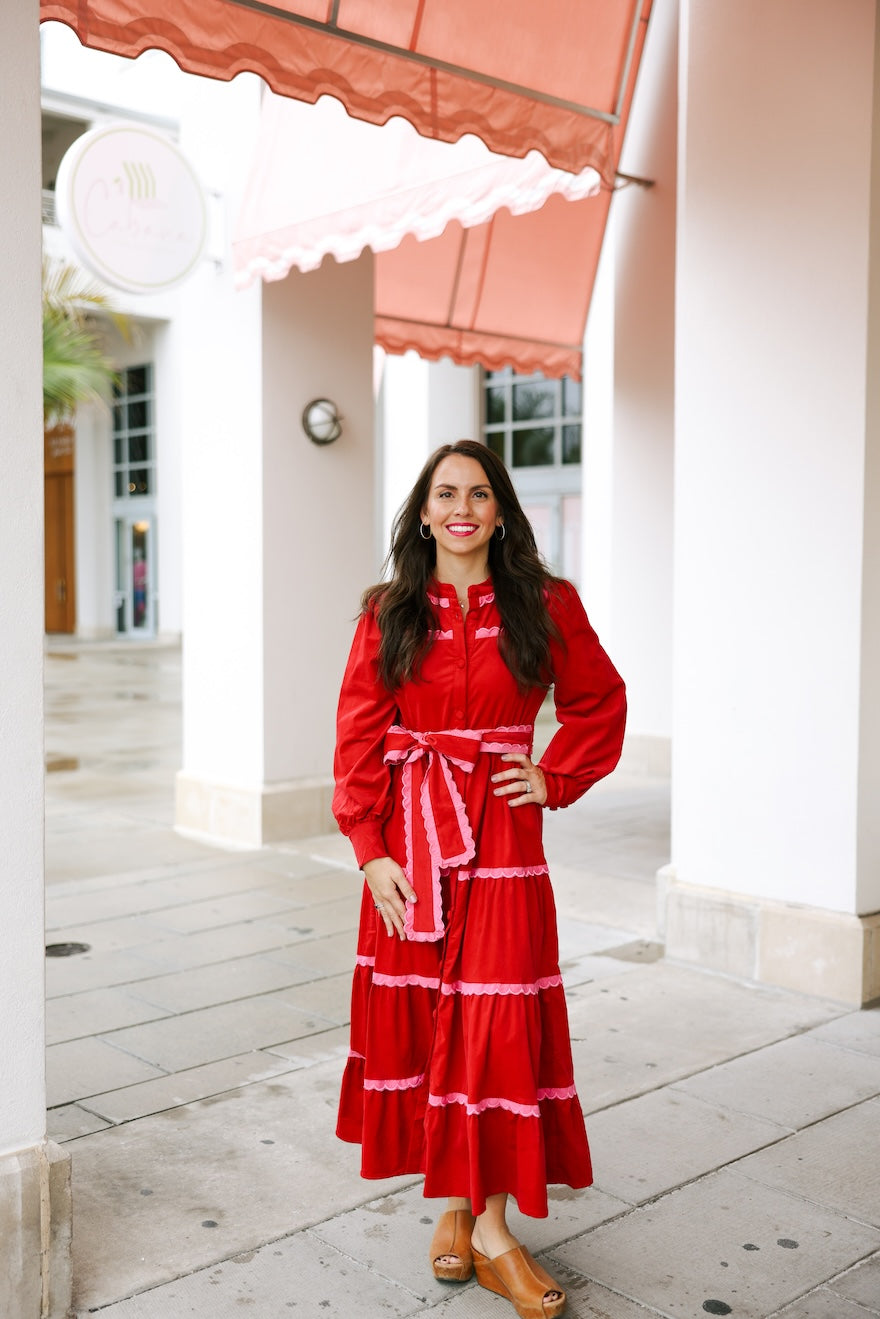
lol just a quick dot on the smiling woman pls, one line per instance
(460, 1063)
(462, 514)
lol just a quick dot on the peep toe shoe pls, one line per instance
(521, 1280)
(452, 1237)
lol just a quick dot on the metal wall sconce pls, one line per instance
(321, 421)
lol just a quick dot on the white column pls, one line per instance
(775, 746)
(279, 535)
(643, 225)
(597, 454)
(34, 1175)
(629, 412)
(216, 341)
(319, 520)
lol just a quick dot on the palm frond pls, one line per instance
(75, 368)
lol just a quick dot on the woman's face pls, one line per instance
(461, 509)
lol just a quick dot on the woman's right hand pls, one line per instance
(390, 889)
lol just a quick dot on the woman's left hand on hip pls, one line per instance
(523, 784)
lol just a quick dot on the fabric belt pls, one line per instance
(438, 833)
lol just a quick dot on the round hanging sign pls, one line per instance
(132, 208)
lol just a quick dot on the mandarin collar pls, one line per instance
(446, 591)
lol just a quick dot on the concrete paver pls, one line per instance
(729, 1124)
(854, 1030)
(300, 1276)
(255, 1164)
(725, 1239)
(184, 1087)
(861, 1284)
(833, 1163)
(83, 1067)
(665, 1023)
(795, 1082)
(825, 1304)
(206, 986)
(94, 1012)
(664, 1139)
(210, 1034)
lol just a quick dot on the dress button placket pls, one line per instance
(459, 683)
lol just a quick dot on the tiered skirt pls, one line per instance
(460, 1064)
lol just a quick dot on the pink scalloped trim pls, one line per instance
(483, 632)
(558, 1092)
(442, 636)
(407, 1083)
(352, 1053)
(474, 1110)
(363, 960)
(469, 846)
(397, 982)
(406, 798)
(487, 599)
(523, 1110)
(477, 987)
(504, 872)
(440, 601)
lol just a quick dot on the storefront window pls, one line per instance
(133, 446)
(534, 425)
(512, 405)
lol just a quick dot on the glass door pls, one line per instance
(135, 576)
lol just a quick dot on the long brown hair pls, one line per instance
(520, 580)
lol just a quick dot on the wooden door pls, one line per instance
(59, 531)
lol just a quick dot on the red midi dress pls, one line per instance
(460, 1063)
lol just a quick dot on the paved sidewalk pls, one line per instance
(195, 1052)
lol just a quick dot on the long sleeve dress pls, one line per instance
(460, 1062)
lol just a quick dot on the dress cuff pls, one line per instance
(553, 788)
(367, 841)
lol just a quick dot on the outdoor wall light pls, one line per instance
(321, 421)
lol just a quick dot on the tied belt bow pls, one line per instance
(437, 830)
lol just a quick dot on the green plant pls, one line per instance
(75, 367)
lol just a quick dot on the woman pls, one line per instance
(460, 1063)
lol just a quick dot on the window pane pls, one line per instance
(533, 448)
(571, 444)
(138, 415)
(495, 406)
(136, 380)
(139, 481)
(118, 456)
(118, 413)
(138, 448)
(536, 400)
(503, 374)
(571, 398)
(119, 483)
(495, 442)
